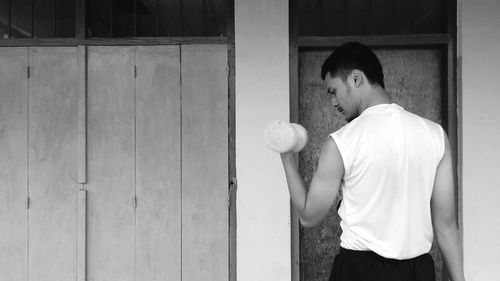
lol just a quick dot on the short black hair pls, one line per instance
(350, 56)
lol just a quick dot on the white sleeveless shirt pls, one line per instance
(390, 158)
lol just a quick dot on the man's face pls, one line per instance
(341, 95)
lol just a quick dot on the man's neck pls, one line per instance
(375, 96)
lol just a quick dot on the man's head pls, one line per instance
(350, 72)
(351, 56)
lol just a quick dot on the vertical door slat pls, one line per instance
(309, 17)
(215, 17)
(44, 19)
(158, 154)
(52, 163)
(357, 13)
(13, 163)
(82, 114)
(204, 163)
(379, 21)
(21, 19)
(82, 236)
(404, 12)
(334, 18)
(170, 18)
(111, 171)
(193, 18)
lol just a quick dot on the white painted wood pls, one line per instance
(82, 235)
(205, 230)
(53, 163)
(82, 114)
(13, 163)
(110, 158)
(158, 164)
(82, 164)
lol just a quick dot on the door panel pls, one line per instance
(111, 164)
(205, 226)
(158, 163)
(13, 163)
(413, 80)
(52, 163)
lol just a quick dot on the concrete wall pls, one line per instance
(262, 94)
(479, 51)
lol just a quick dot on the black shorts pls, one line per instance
(352, 265)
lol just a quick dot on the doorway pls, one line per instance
(413, 79)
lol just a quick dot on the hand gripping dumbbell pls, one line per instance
(282, 136)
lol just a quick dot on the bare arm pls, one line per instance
(444, 216)
(312, 205)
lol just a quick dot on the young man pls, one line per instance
(395, 171)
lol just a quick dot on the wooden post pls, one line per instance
(294, 117)
(233, 182)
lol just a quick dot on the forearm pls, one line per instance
(449, 243)
(298, 192)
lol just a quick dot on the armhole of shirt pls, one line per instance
(442, 143)
(342, 151)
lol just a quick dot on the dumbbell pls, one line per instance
(282, 136)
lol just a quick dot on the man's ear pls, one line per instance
(356, 78)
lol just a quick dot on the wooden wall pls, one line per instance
(369, 17)
(155, 172)
(413, 79)
(109, 18)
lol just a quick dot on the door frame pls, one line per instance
(446, 42)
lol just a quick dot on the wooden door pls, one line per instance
(158, 160)
(413, 79)
(155, 146)
(205, 213)
(158, 163)
(52, 154)
(38, 187)
(13, 163)
(111, 164)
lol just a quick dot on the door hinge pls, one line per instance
(27, 202)
(233, 185)
(134, 202)
(135, 71)
(28, 72)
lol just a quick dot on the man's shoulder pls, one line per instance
(428, 122)
(349, 127)
(421, 124)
